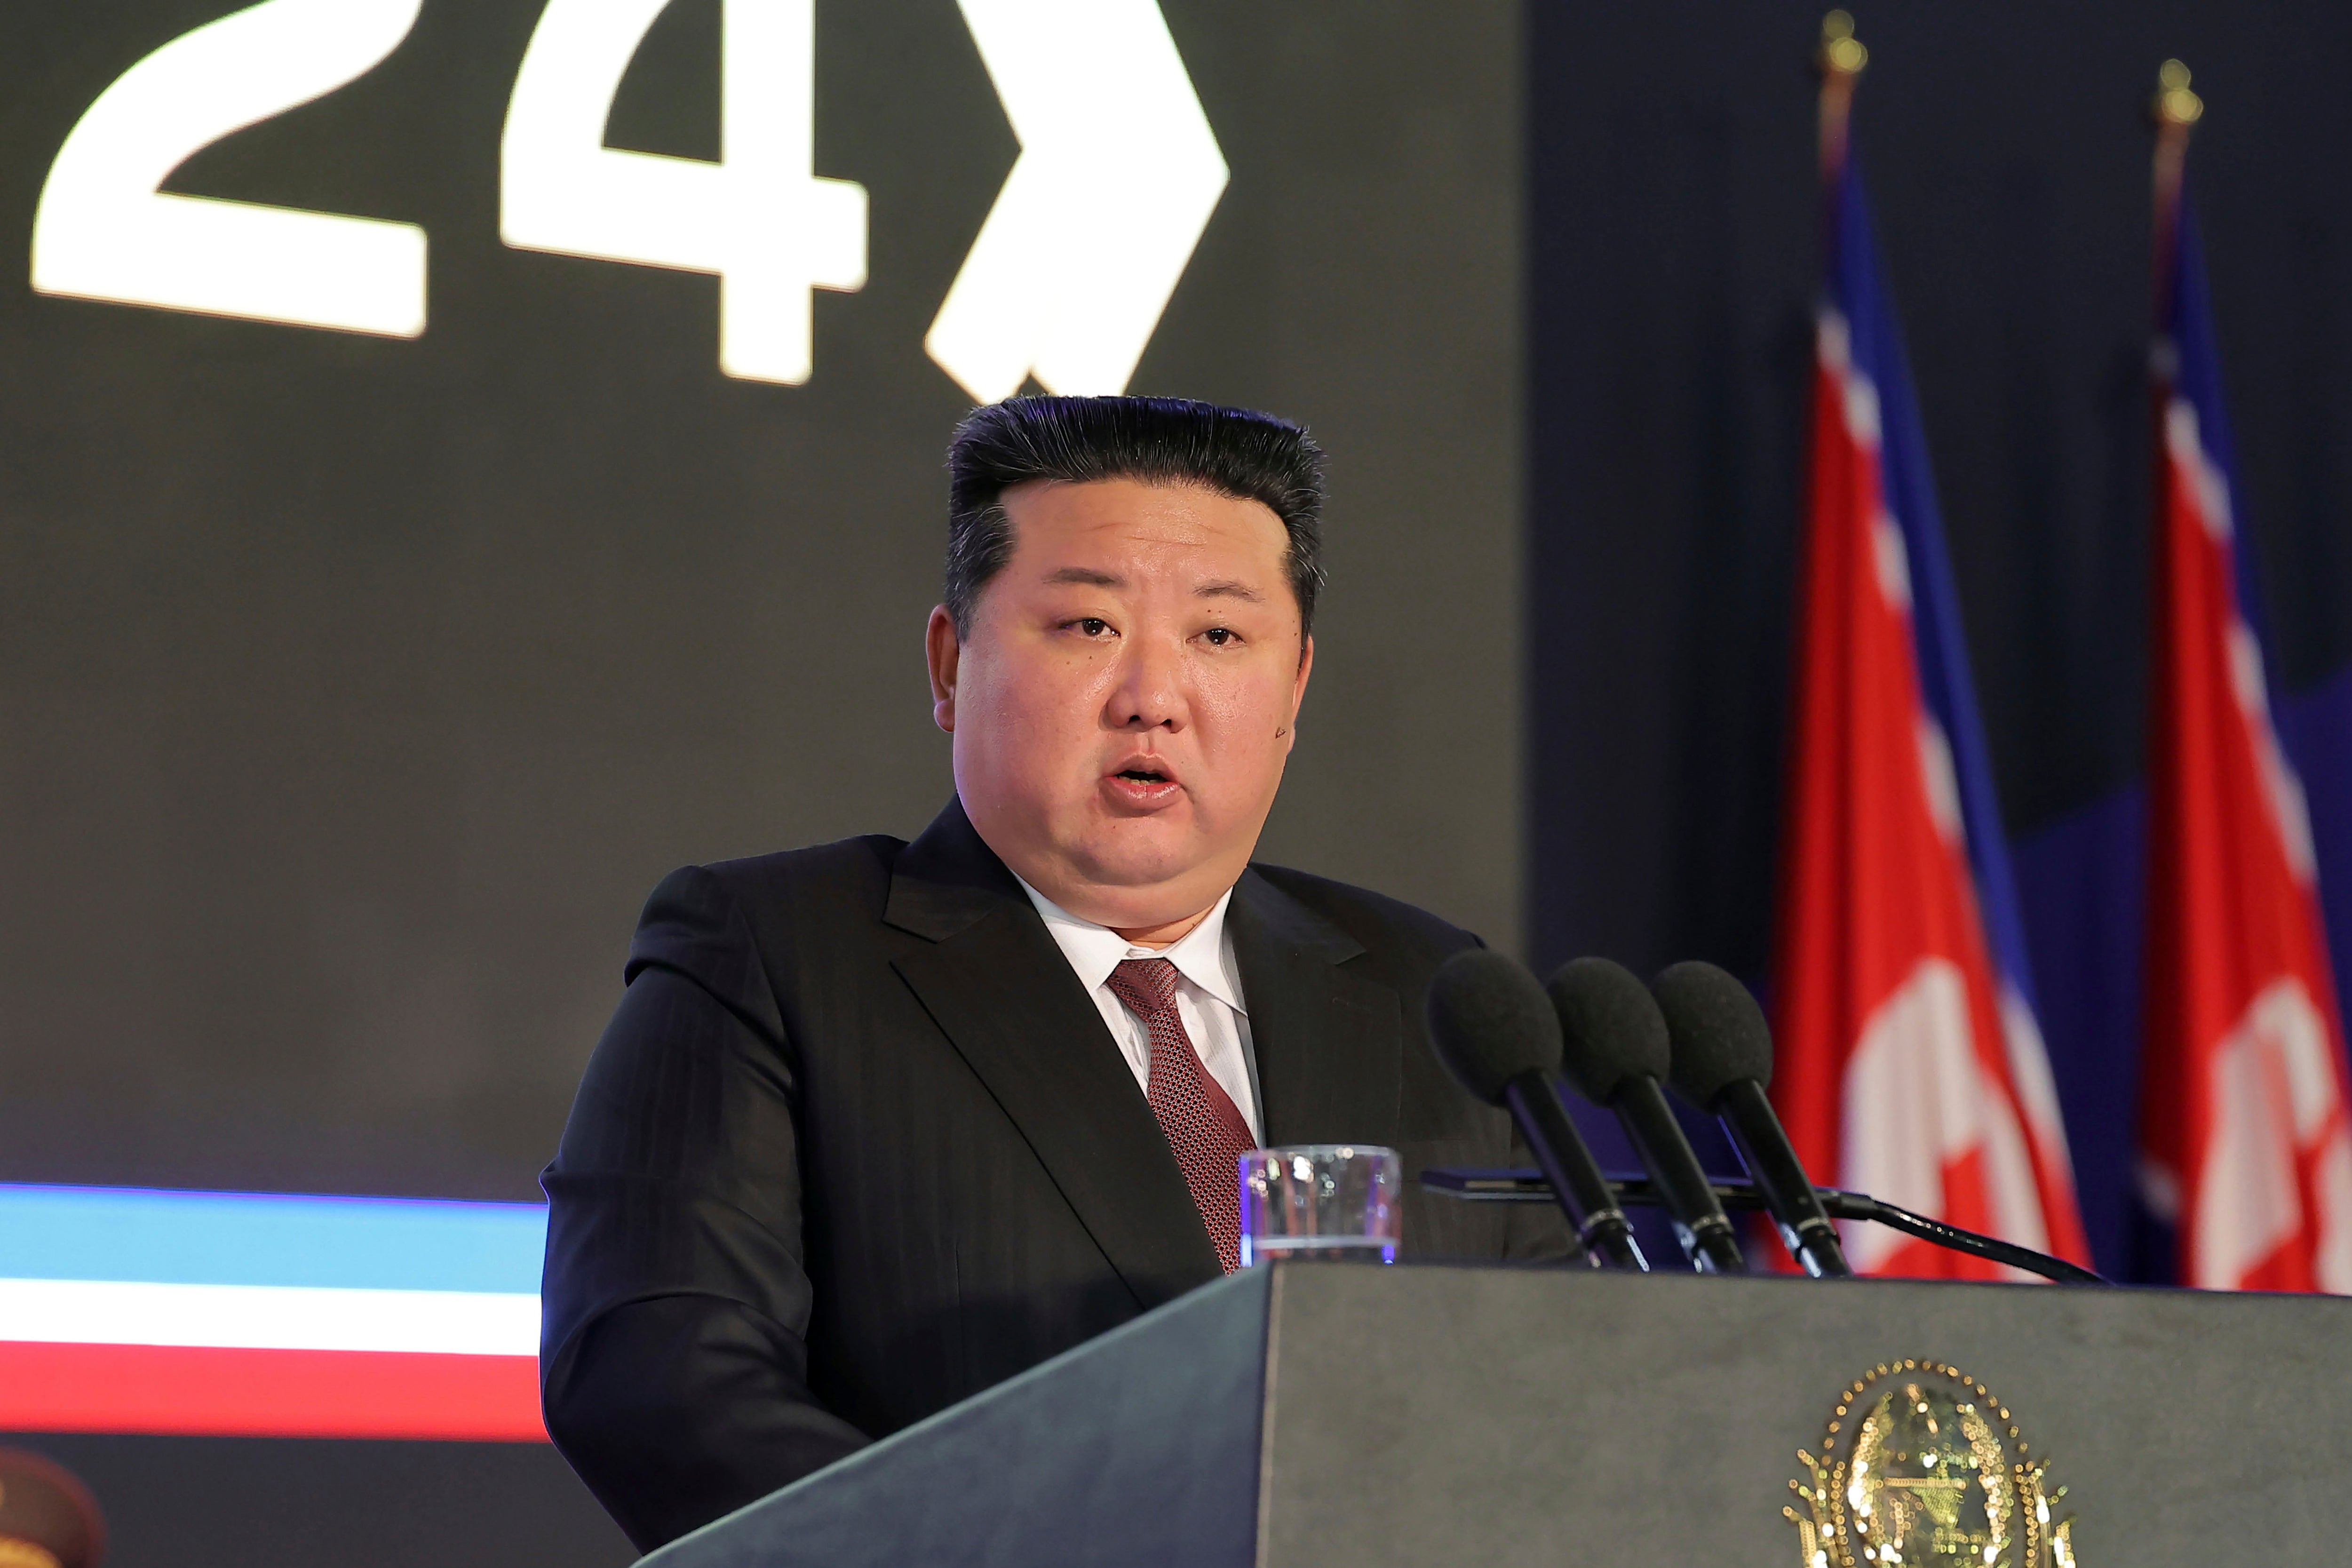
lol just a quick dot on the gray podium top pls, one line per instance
(1354, 1415)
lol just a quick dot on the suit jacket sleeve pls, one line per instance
(674, 1355)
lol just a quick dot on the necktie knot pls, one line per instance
(1147, 985)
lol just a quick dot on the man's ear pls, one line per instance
(941, 650)
(1298, 686)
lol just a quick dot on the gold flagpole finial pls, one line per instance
(1841, 58)
(1841, 52)
(2175, 111)
(2175, 104)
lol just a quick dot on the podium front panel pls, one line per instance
(1506, 1417)
(1345, 1417)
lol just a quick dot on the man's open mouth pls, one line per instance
(1144, 781)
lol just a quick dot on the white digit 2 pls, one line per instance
(760, 218)
(104, 231)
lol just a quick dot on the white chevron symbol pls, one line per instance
(1118, 173)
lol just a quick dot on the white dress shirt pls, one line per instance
(1208, 994)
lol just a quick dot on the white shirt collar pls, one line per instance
(1202, 956)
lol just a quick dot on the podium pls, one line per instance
(1354, 1415)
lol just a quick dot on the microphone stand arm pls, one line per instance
(1952, 1238)
(1843, 1204)
(1526, 1187)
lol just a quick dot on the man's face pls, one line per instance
(1125, 700)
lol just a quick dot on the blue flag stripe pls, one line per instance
(256, 1238)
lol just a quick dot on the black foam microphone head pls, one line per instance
(1490, 1021)
(1718, 1031)
(1609, 1026)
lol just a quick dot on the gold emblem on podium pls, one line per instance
(1922, 1465)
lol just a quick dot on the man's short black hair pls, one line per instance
(1159, 440)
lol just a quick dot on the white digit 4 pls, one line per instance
(104, 231)
(760, 218)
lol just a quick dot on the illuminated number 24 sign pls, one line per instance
(1067, 279)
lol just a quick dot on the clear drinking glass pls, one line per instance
(1321, 1203)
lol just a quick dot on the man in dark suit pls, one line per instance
(879, 1124)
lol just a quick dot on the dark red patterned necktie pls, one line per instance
(1208, 1135)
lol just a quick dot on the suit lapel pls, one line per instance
(1328, 1042)
(1000, 989)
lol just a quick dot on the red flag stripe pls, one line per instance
(2243, 1106)
(183, 1391)
(1895, 1041)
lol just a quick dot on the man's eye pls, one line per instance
(1220, 635)
(1092, 625)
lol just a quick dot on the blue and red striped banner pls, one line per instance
(268, 1315)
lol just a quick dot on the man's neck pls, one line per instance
(1164, 935)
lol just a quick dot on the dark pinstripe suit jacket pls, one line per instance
(857, 1145)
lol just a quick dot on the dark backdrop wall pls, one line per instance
(354, 690)
(1674, 254)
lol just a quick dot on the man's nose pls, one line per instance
(1149, 691)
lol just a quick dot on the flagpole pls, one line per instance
(1841, 60)
(2175, 111)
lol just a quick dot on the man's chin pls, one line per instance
(1143, 876)
(1125, 872)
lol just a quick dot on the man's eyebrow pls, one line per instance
(1087, 576)
(1229, 590)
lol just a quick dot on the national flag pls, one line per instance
(266, 1315)
(2243, 1136)
(1909, 1062)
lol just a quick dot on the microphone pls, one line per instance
(1496, 1032)
(1723, 1062)
(1616, 1050)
